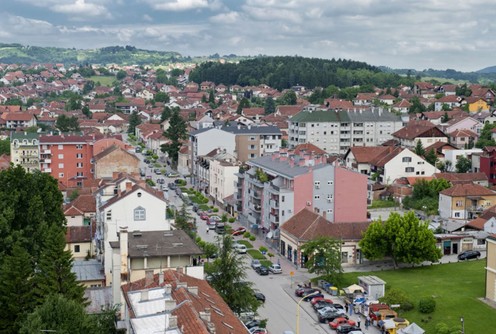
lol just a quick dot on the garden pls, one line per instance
(456, 289)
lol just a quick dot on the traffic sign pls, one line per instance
(291, 273)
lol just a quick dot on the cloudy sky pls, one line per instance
(419, 34)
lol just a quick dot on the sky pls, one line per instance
(418, 34)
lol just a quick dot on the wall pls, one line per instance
(491, 269)
(244, 144)
(102, 144)
(303, 192)
(350, 198)
(116, 161)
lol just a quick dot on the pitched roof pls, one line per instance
(188, 316)
(111, 149)
(160, 243)
(416, 129)
(307, 225)
(461, 177)
(308, 147)
(468, 189)
(367, 154)
(84, 203)
(78, 234)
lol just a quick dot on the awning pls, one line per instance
(269, 235)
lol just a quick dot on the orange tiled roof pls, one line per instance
(468, 189)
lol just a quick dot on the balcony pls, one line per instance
(46, 152)
(256, 194)
(255, 207)
(274, 204)
(274, 219)
(46, 161)
(475, 209)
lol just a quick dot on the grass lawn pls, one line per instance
(456, 288)
(256, 254)
(266, 263)
(246, 243)
(104, 80)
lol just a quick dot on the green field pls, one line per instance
(456, 288)
(104, 80)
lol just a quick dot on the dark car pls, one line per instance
(330, 316)
(470, 254)
(309, 298)
(320, 304)
(262, 270)
(259, 296)
(300, 292)
(147, 161)
(253, 323)
(172, 186)
(345, 329)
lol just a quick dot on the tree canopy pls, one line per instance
(176, 132)
(405, 239)
(134, 121)
(324, 258)
(425, 195)
(67, 124)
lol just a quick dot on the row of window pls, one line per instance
(139, 213)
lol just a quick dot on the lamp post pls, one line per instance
(298, 310)
(463, 325)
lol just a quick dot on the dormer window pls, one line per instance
(139, 213)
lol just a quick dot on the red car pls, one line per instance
(341, 321)
(203, 216)
(318, 299)
(238, 231)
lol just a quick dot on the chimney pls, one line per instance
(148, 277)
(167, 289)
(129, 186)
(169, 305)
(193, 290)
(180, 270)
(144, 295)
(115, 175)
(291, 161)
(123, 244)
(161, 278)
(205, 315)
(172, 321)
(211, 328)
(180, 285)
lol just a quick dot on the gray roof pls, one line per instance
(99, 298)
(282, 167)
(161, 243)
(252, 129)
(346, 116)
(24, 135)
(90, 270)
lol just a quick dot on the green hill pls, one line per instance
(128, 55)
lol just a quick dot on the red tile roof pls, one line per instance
(78, 234)
(467, 189)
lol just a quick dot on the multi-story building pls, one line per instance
(335, 131)
(68, 158)
(487, 163)
(24, 150)
(222, 177)
(277, 186)
(465, 201)
(491, 268)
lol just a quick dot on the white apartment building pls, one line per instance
(223, 178)
(335, 131)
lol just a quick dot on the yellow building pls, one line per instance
(25, 150)
(476, 105)
(491, 268)
(465, 201)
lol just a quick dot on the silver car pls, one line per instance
(275, 268)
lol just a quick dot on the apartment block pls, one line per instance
(24, 150)
(335, 131)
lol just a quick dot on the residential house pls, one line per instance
(449, 101)
(22, 120)
(183, 160)
(275, 187)
(451, 157)
(364, 99)
(423, 131)
(359, 158)
(463, 122)
(476, 104)
(127, 203)
(89, 273)
(483, 92)
(424, 89)
(438, 117)
(174, 303)
(25, 150)
(440, 148)
(401, 163)
(115, 160)
(462, 178)
(463, 138)
(254, 141)
(306, 226)
(222, 177)
(335, 131)
(465, 201)
(486, 162)
(387, 99)
(402, 106)
(491, 268)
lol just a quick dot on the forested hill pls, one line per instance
(285, 72)
(128, 55)
(484, 76)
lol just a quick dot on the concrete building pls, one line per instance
(115, 159)
(335, 131)
(491, 268)
(25, 150)
(222, 178)
(465, 201)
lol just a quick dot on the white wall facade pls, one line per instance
(221, 180)
(407, 164)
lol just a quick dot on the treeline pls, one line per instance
(483, 76)
(285, 72)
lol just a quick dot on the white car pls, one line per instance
(241, 249)
(215, 218)
(275, 268)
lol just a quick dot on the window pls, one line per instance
(459, 203)
(61, 174)
(61, 156)
(252, 138)
(344, 257)
(76, 249)
(79, 174)
(79, 156)
(457, 214)
(409, 170)
(61, 165)
(282, 199)
(139, 213)
(316, 197)
(329, 183)
(61, 147)
(79, 165)
(407, 159)
(252, 147)
(79, 146)
(109, 215)
(253, 155)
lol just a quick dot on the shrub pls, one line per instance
(224, 218)
(231, 220)
(263, 249)
(252, 238)
(246, 235)
(246, 243)
(266, 263)
(216, 209)
(397, 296)
(256, 254)
(427, 305)
(270, 254)
(204, 207)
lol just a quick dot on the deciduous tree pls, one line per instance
(67, 124)
(324, 258)
(176, 132)
(463, 164)
(134, 121)
(405, 239)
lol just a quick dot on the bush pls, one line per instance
(231, 220)
(397, 296)
(270, 254)
(263, 249)
(203, 207)
(427, 305)
(256, 254)
(246, 235)
(216, 209)
(224, 218)
(252, 238)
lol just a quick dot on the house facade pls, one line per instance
(115, 159)
(222, 178)
(491, 268)
(406, 164)
(465, 201)
(25, 150)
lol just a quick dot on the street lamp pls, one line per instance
(463, 325)
(298, 310)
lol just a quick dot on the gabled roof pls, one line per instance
(84, 203)
(467, 189)
(364, 154)
(306, 225)
(136, 187)
(416, 129)
(308, 147)
(461, 177)
(161, 243)
(384, 157)
(110, 150)
(463, 133)
(75, 234)
(188, 315)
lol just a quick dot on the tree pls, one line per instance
(419, 149)
(166, 113)
(134, 121)
(5, 146)
(183, 221)
(61, 315)
(67, 124)
(485, 138)
(244, 103)
(289, 98)
(324, 258)
(445, 118)
(87, 112)
(176, 132)
(53, 273)
(269, 106)
(228, 273)
(463, 164)
(121, 75)
(405, 239)
(431, 157)
(417, 106)
(162, 97)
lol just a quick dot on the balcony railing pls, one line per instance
(274, 218)
(274, 204)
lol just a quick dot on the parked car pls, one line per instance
(319, 299)
(255, 264)
(241, 249)
(258, 330)
(303, 291)
(157, 171)
(160, 181)
(238, 231)
(253, 323)
(262, 270)
(203, 216)
(309, 298)
(275, 268)
(260, 296)
(215, 218)
(321, 304)
(172, 175)
(341, 321)
(146, 161)
(469, 254)
(172, 186)
(345, 329)
(330, 316)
